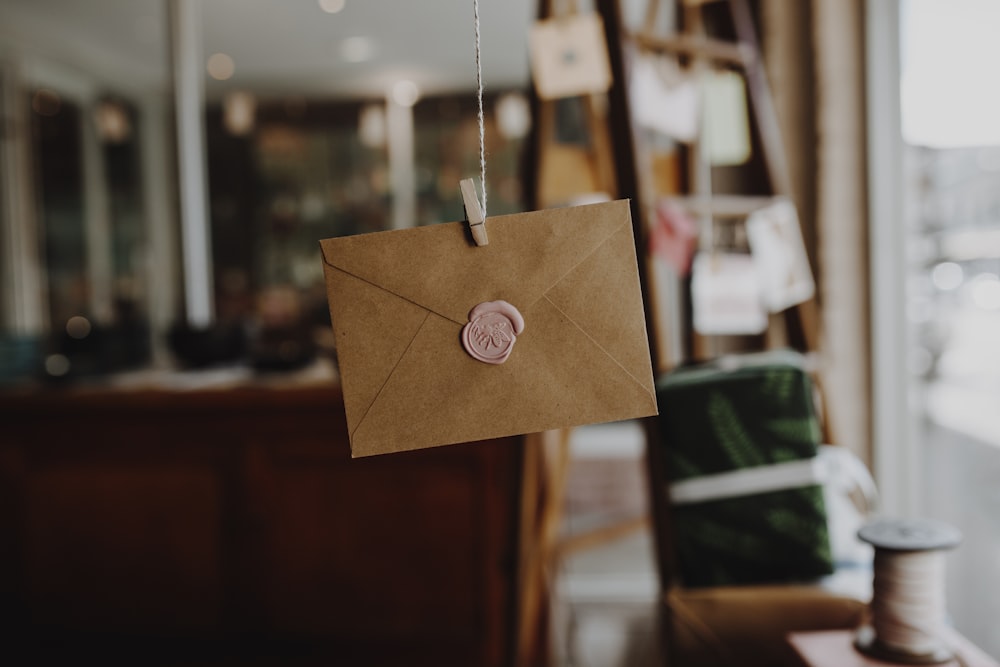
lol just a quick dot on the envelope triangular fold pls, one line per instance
(408, 262)
(558, 375)
(611, 288)
(373, 330)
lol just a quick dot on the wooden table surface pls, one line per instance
(836, 649)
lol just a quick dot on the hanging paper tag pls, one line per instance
(674, 236)
(569, 56)
(780, 256)
(726, 130)
(725, 295)
(665, 98)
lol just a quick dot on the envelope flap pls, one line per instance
(439, 268)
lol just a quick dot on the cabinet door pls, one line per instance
(408, 551)
(121, 549)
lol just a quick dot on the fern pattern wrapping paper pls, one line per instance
(722, 416)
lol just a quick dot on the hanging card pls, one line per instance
(665, 98)
(569, 56)
(780, 255)
(725, 295)
(726, 130)
(407, 305)
(674, 236)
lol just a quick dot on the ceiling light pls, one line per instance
(405, 93)
(513, 116)
(239, 108)
(112, 121)
(331, 6)
(220, 66)
(371, 126)
(357, 49)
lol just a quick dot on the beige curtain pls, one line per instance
(815, 58)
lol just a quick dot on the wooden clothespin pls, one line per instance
(477, 221)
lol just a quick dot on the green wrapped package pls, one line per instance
(735, 413)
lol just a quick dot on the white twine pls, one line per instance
(482, 122)
(908, 602)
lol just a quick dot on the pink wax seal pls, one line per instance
(491, 332)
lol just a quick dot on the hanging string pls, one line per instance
(482, 122)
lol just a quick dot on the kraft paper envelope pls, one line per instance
(399, 300)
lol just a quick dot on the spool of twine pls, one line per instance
(908, 593)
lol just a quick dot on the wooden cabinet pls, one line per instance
(213, 526)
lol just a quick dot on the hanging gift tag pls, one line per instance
(569, 56)
(665, 98)
(441, 341)
(780, 256)
(726, 130)
(674, 236)
(725, 295)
